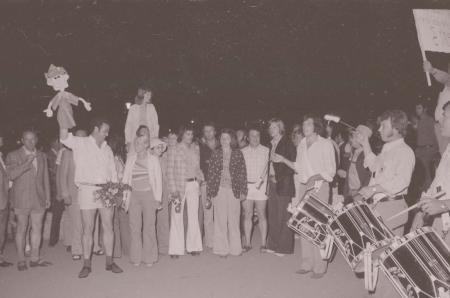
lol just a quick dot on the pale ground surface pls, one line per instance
(207, 276)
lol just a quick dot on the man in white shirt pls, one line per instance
(392, 170)
(441, 183)
(256, 160)
(315, 161)
(94, 164)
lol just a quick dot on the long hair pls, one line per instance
(232, 134)
(399, 120)
(278, 122)
(318, 123)
(140, 94)
(183, 129)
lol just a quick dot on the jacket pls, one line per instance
(364, 174)
(154, 175)
(284, 175)
(28, 185)
(4, 187)
(238, 173)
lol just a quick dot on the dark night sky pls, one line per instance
(225, 60)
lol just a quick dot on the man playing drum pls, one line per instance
(392, 170)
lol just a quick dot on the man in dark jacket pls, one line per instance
(281, 190)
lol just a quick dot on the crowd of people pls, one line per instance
(193, 193)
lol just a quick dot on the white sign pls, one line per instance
(433, 29)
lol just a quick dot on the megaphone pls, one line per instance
(337, 119)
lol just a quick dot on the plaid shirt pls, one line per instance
(176, 168)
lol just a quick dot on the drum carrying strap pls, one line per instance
(370, 271)
(325, 253)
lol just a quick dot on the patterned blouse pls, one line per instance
(237, 170)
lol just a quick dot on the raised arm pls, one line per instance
(15, 168)
(440, 76)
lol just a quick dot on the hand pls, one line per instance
(87, 106)
(433, 206)
(30, 158)
(418, 221)
(342, 173)
(67, 199)
(48, 113)
(427, 67)
(367, 192)
(159, 206)
(277, 158)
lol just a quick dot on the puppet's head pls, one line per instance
(144, 96)
(57, 78)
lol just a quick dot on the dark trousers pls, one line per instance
(57, 209)
(3, 224)
(280, 236)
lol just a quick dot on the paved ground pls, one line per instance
(206, 276)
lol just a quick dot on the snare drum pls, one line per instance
(418, 264)
(309, 220)
(355, 229)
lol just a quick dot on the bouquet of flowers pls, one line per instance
(111, 193)
(175, 200)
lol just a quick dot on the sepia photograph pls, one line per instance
(224, 148)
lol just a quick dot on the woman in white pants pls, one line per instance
(184, 177)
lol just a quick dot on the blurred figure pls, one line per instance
(158, 149)
(444, 97)
(73, 231)
(4, 206)
(355, 174)
(242, 138)
(208, 144)
(227, 187)
(28, 167)
(57, 204)
(427, 148)
(121, 223)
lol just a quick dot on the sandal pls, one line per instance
(22, 266)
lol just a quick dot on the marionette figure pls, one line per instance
(57, 78)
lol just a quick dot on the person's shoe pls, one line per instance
(84, 272)
(317, 275)
(99, 252)
(22, 266)
(68, 248)
(195, 253)
(278, 254)
(76, 257)
(113, 268)
(5, 264)
(303, 271)
(39, 263)
(174, 257)
(148, 265)
(28, 253)
(246, 248)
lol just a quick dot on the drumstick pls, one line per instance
(439, 195)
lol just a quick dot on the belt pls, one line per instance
(250, 182)
(191, 179)
(425, 146)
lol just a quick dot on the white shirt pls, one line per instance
(442, 178)
(93, 164)
(393, 167)
(2, 163)
(256, 161)
(134, 120)
(319, 158)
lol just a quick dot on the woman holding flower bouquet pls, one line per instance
(227, 186)
(143, 173)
